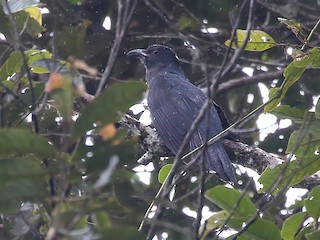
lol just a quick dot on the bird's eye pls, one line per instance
(155, 52)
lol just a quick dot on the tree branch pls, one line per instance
(248, 156)
(248, 80)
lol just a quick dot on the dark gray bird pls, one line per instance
(174, 103)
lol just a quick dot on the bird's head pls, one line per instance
(156, 56)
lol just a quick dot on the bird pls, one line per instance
(174, 103)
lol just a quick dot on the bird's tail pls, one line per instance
(218, 161)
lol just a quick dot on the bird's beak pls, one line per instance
(140, 53)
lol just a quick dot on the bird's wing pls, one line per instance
(174, 104)
(171, 123)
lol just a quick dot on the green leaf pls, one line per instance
(227, 198)
(16, 168)
(295, 172)
(303, 232)
(17, 142)
(297, 115)
(214, 222)
(313, 235)
(35, 55)
(29, 24)
(26, 21)
(11, 66)
(274, 94)
(259, 229)
(304, 142)
(292, 74)
(20, 180)
(104, 109)
(309, 59)
(102, 220)
(47, 64)
(163, 173)
(292, 225)
(312, 203)
(258, 40)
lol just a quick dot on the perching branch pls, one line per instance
(248, 156)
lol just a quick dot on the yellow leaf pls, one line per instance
(35, 13)
(258, 41)
(108, 131)
(56, 80)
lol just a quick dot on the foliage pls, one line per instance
(257, 40)
(68, 168)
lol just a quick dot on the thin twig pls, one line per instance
(225, 69)
(125, 12)
(248, 80)
(311, 34)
